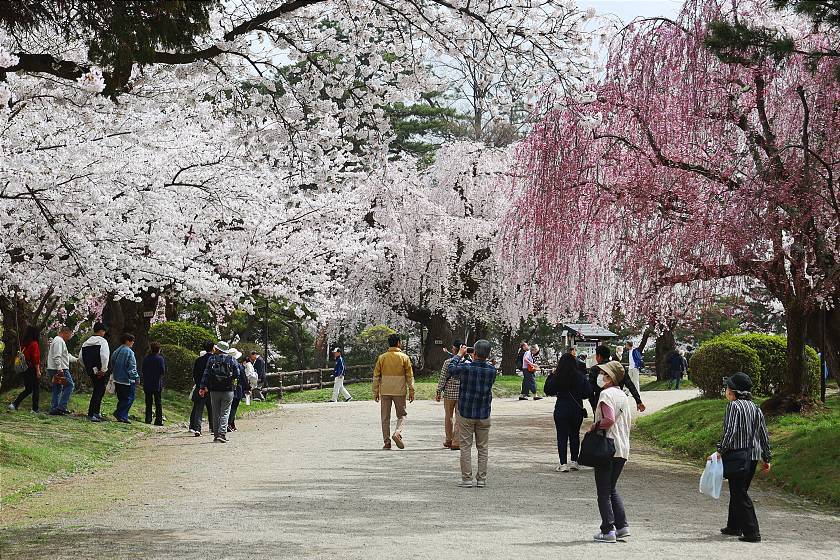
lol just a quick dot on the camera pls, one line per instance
(470, 349)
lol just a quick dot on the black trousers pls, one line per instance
(30, 387)
(96, 394)
(610, 504)
(234, 405)
(568, 432)
(741, 510)
(154, 396)
(199, 404)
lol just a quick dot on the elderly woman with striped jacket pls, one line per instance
(744, 434)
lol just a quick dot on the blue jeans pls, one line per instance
(529, 382)
(125, 398)
(61, 393)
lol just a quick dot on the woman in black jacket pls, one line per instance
(571, 387)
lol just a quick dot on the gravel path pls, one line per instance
(311, 482)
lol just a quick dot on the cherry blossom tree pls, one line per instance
(680, 177)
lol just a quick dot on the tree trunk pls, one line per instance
(665, 344)
(645, 337)
(438, 329)
(509, 351)
(794, 395)
(321, 347)
(27, 314)
(126, 316)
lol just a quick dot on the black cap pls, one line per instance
(739, 382)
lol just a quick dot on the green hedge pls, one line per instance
(715, 360)
(179, 363)
(180, 333)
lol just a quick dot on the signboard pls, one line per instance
(148, 314)
(439, 342)
(586, 347)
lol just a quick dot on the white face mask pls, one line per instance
(600, 380)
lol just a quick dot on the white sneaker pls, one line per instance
(12, 407)
(562, 468)
(622, 533)
(480, 483)
(608, 538)
(465, 484)
(574, 466)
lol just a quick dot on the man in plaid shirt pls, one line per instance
(448, 387)
(474, 397)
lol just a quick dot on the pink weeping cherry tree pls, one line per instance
(679, 177)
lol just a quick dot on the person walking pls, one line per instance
(676, 368)
(338, 375)
(529, 373)
(126, 377)
(392, 377)
(475, 394)
(571, 386)
(154, 368)
(217, 381)
(260, 368)
(523, 348)
(448, 388)
(58, 368)
(94, 356)
(635, 363)
(241, 387)
(613, 415)
(744, 428)
(602, 356)
(200, 402)
(31, 349)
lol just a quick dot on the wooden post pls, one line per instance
(320, 379)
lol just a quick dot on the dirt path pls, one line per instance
(311, 482)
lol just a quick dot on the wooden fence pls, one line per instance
(314, 378)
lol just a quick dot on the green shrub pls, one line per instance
(715, 360)
(772, 353)
(179, 364)
(181, 334)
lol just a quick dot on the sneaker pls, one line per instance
(465, 484)
(63, 412)
(348, 399)
(12, 407)
(387, 445)
(536, 398)
(101, 418)
(523, 398)
(750, 538)
(398, 440)
(480, 483)
(562, 468)
(218, 440)
(731, 532)
(94, 418)
(574, 466)
(622, 533)
(35, 412)
(607, 538)
(447, 444)
(190, 430)
(55, 412)
(455, 448)
(197, 434)
(124, 420)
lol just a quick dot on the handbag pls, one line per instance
(737, 462)
(596, 449)
(21, 365)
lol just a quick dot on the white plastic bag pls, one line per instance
(711, 481)
(109, 387)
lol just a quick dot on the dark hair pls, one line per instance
(604, 352)
(30, 333)
(127, 337)
(566, 370)
(207, 346)
(154, 347)
(253, 352)
(482, 349)
(393, 339)
(457, 344)
(243, 358)
(98, 326)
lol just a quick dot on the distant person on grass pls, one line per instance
(634, 363)
(126, 377)
(338, 376)
(474, 397)
(95, 355)
(31, 349)
(200, 402)
(613, 415)
(602, 356)
(217, 381)
(744, 428)
(392, 377)
(448, 388)
(154, 368)
(58, 368)
(677, 367)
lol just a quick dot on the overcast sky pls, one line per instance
(627, 10)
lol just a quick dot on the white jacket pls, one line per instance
(59, 357)
(104, 350)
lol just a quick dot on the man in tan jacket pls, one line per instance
(392, 375)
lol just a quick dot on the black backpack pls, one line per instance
(220, 371)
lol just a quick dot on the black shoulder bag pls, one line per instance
(737, 462)
(596, 449)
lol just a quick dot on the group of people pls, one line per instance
(465, 384)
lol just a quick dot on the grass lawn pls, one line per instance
(649, 383)
(35, 449)
(505, 386)
(804, 447)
